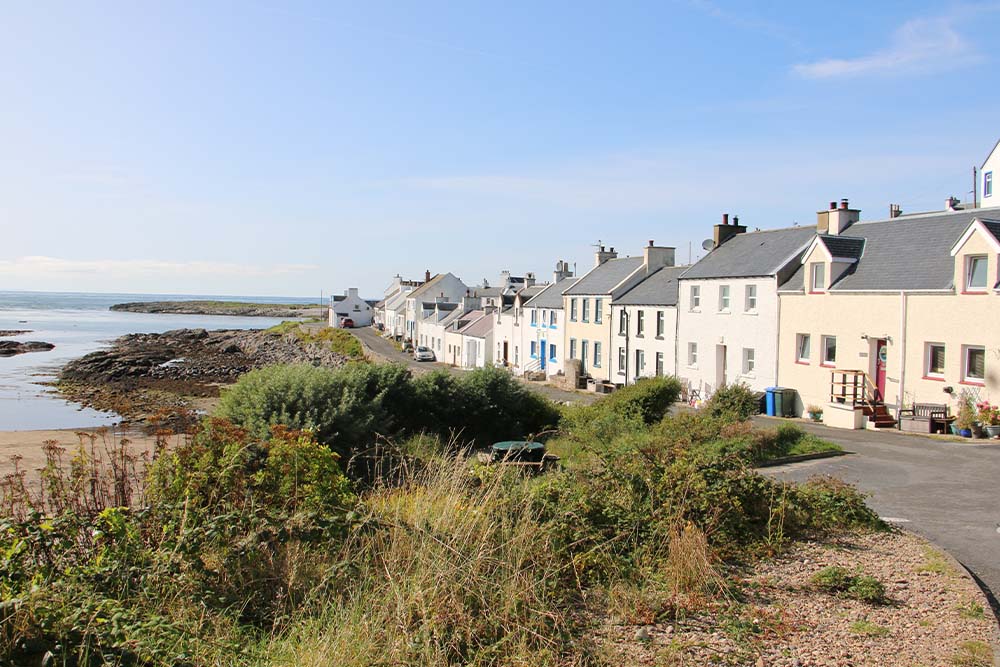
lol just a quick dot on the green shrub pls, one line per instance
(825, 502)
(840, 581)
(867, 589)
(833, 579)
(736, 401)
(649, 399)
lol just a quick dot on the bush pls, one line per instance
(649, 399)
(736, 401)
(840, 581)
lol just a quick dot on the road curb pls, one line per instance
(785, 460)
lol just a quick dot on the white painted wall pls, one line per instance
(352, 306)
(449, 286)
(547, 326)
(735, 329)
(649, 342)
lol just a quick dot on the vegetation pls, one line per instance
(973, 654)
(248, 544)
(736, 401)
(866, 627)
(840, 581)
(340, 341)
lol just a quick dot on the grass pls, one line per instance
(868, 629)
(972, 609)
(973, 654)
(935, 563)
(840, 581)
(341, 341)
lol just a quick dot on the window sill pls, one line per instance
(933, 378)
(828, 365)
(802, 363)
(975, 291)
(752, 313)
(659, 338)
(973, 383)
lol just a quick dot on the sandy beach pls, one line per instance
(29, 445)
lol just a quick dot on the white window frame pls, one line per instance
(695, 295)
(988, 184)
(640, 322)
(621, 360)
(692, 355)
(584, 352)
(970, 260)
(534, 317)
(969, 379)
(749, 361)
(572, 309)
(799, 339)
(820, 285)
(661, 326)
(640, 362)
(597, 354)
(929, 355)
(598, 315)
(660, 367)
(750, 299)
(622, 323)
(725, 298)
(824, 360)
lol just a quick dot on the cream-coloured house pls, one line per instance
(905, 308)
(728, 307)
(587, 304)
(644, 321)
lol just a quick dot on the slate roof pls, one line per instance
(530, 292)
(551, 296)
(396, 302)
(602, 279)
(993, 226)
(849, 247)
(752, 254)
(427, 286)
(479, 327)
(657, 289)
(910, 252)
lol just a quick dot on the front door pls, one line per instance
(505, 358)
(881, 356)
(720, 366)
(542, 355)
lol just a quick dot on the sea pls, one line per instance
(78, 323)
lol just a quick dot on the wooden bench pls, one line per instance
(925, 418)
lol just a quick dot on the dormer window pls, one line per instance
(975, 273)
(817, 277)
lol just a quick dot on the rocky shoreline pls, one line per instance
(156, 378)
(8, 348)
(5, 333)
(235, 308)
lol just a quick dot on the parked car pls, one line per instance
(346, 323)
(423, 354)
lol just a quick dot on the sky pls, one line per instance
(296, 148)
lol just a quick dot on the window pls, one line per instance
(586, 310)
(934, 366)
(598, 315)
(692, 354)
(584, 350)
(552, 318)
(597, 354)
(988, 184)
(534, 352)
(640, 322)
(975, 272)
(750, 302)
(659, 364)
(723, 298)
(572, 348)
(534, 317)
(802, 343)
(552, 353)
(621, 360)
(622, 322)
(517, 355)
(659, 323)
(695, 297)
(640, 362)
(829, 351)
(748, 360)
(817, 280)
(975, 364)
(572, 310)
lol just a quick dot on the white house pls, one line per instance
(456, 352)
(728, 306)
(477, 341)
(644, 322)
(349, 305)
(543, 319)
(443, 287)
(435, 323)
(987, 195)
(394, 314)
(508, 328)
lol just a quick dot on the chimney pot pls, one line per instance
(650, 243)
(725, 218)
(833, 206)
(843, 204)
(736, 220)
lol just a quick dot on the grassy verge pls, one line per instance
(340, 341)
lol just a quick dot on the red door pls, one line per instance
(881, 355)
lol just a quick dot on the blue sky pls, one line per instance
(252, 148)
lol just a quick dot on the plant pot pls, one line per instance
(965, 432)
(977, 430)
(992, 430)
(954, 429)
(816, 416)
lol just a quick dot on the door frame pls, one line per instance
(879, 366)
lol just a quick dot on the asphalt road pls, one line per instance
(383, 348)
(949, 492)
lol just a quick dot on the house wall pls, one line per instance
(507, 329)
(454, 350)
(591, 332)
(544, 330)
(351, 306)
(649, 342)
(735, 329)
(992, 165)
(451, 287)
(435, 335)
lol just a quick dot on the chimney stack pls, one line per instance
(725, 231)
(603, 255)
(951, 203)
(837, 219)
(562, 271)
(529, 279)
(427, 276)
(895, 210)
(654, 257)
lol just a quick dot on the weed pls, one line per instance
(935, 562)
(971, 609)
(840, 581)
(869, 629)
(973, 654)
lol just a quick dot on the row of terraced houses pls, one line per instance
(859, 317)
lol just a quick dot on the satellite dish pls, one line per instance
(707, 244)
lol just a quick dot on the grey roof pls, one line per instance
(396, 302)
(551, 296)
(910, 252)
(753, 254)
(993, 226)
(604, 278)
(479, 327)
(656, 289)
(850, 247)
(486, 291)
(529, 292)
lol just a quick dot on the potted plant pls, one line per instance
(966, 418)
(815, 413)
(989, 417)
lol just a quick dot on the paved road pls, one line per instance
(947, 491)
(383, 348)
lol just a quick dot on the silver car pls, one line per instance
(422, 353)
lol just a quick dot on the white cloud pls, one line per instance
(35, 266)
(918, 46)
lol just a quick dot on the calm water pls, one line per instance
(78, 323)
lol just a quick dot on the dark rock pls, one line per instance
(8, 348)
